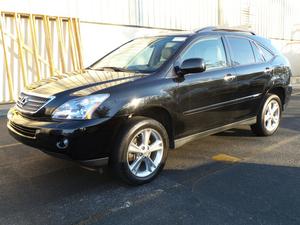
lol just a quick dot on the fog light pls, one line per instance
(63, 143)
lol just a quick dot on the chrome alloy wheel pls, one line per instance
(272, 115)
(145, 152)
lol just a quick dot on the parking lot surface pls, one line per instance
(229, 178)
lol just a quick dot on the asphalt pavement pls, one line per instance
(229, 178)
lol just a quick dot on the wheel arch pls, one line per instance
(161, 115)
(280, 92)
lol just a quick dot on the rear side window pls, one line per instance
(241, 50)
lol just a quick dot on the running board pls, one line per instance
(182, 141)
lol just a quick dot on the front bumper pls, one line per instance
(88, 142)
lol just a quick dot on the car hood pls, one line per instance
(81, 84)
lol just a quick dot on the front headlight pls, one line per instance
(79, 108)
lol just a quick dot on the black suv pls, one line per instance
(155, 93)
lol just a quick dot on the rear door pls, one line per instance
(205, 98)
(252, 72)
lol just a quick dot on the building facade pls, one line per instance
(105, 24)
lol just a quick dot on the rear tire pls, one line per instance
(269, 116)
(141, 150)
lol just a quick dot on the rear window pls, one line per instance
(242, 53)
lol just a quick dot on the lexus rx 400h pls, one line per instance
(153, 94)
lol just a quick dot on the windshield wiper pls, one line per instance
(116, 69)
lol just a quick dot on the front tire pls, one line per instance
(269, 116)
(141, 150)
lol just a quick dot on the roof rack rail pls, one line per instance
(226, 29)
(210, 28)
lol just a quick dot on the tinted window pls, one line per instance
(257, 53)
(210, 49)
(241, 50)
(267, 55)
(142, 54)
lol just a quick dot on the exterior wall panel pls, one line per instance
(272, 18)
(106, 24)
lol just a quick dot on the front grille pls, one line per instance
(25, 131)
(31, 104)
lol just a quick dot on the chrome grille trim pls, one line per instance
(34, 102)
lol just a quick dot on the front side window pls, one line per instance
(141, 55)
(210, 49)
(241, 51)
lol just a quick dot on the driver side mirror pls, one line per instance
(194, 65)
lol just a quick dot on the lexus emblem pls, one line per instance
(23, 100)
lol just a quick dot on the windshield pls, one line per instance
(141, 55)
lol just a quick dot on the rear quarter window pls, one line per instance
(266, 53)
(257, 53)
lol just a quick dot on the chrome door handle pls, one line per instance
(229, 77)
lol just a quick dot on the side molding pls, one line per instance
(221, 104)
